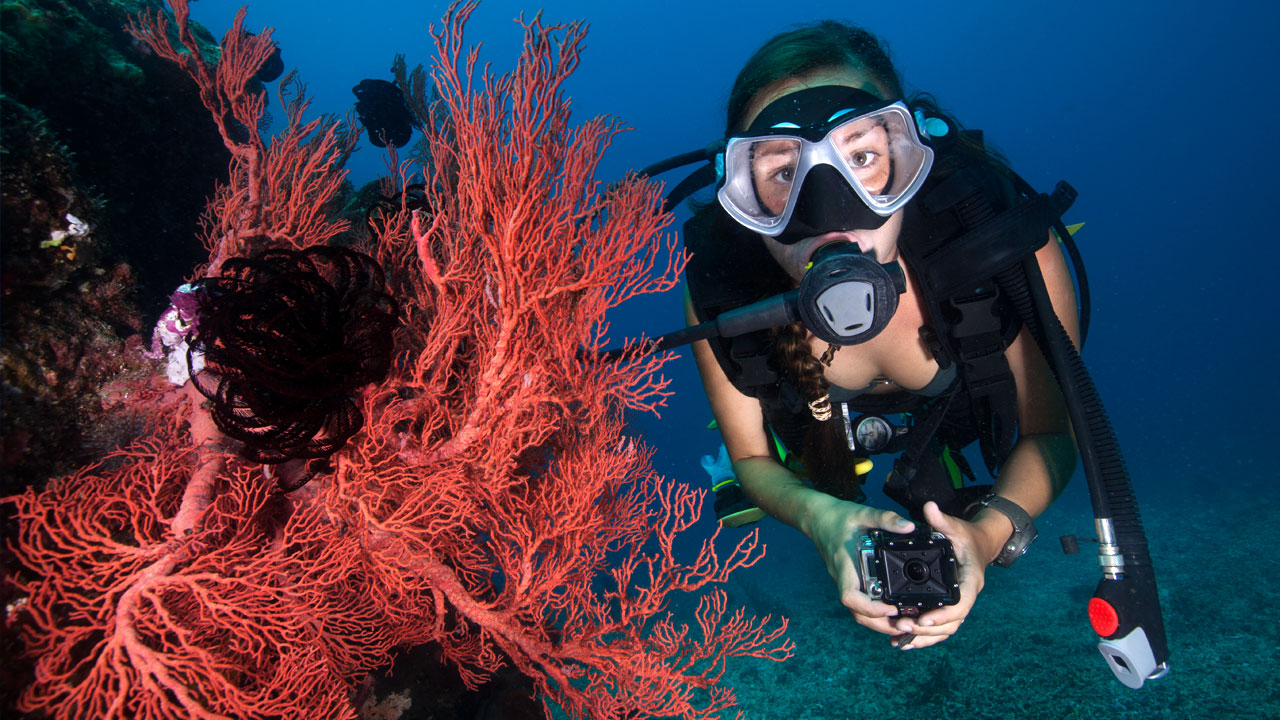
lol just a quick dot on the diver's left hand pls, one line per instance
(937, 625)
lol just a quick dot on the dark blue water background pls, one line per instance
(1163, 115)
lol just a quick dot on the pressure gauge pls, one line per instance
(872, 433)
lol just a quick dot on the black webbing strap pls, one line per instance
(993, 395)
(997, 244)
(904, 468)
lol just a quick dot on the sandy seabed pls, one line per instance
(1026, 650)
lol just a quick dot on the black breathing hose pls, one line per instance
(1110, 488)
(1099, 451)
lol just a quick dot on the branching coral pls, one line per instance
(493, 504)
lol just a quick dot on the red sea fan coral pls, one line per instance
(492, 503)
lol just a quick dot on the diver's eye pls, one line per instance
(862, 158)
(785, 175)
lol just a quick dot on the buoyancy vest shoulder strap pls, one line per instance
(967, 228)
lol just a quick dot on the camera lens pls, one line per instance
(916, 571)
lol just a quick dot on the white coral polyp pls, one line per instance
(176, 365)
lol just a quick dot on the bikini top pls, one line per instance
(937, 386)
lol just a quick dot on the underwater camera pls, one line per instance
(916, 571)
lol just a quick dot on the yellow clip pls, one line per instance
(862, 467)
(1072, 230)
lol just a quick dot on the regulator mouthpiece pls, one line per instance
(846, 297)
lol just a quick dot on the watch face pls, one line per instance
(873, 433)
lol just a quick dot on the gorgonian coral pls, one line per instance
(289, 338)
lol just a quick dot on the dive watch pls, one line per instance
(1024, 531)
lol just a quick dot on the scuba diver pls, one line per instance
(871, 278)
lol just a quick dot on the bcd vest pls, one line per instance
(956, 235)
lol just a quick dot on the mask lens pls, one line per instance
(881, 155)
(863, 146)
(760, 176)
(773, 172)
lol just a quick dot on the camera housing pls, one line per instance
(916, 572)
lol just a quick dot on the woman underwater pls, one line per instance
(824, 152)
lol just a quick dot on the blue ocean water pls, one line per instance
(1163, 116)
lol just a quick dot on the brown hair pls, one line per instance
(824, 44)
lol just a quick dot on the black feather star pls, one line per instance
(289, 338)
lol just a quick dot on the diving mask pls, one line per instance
(862, 156)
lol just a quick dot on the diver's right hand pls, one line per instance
(834, 530)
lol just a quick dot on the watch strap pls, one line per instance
(1024, 531)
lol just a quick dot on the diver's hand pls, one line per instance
(934, 626)
(834, 530)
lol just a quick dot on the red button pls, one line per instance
(1103, 617)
